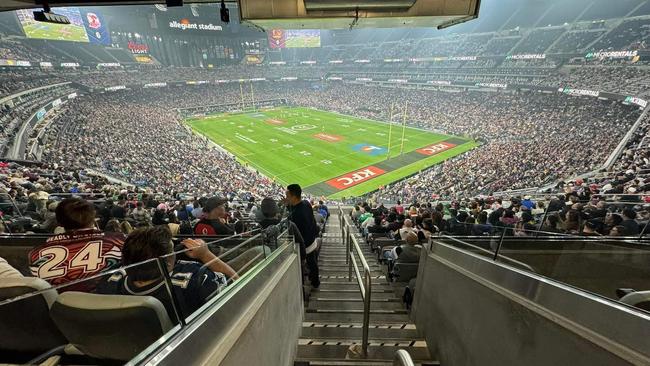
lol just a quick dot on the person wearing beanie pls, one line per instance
(214, 218)
(270, 215)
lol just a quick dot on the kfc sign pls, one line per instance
(435, 148)
(137, 47)
(354, 178)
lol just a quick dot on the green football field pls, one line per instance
(61, 32)
(301, 42)
(328, 154)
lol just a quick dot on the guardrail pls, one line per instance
(402, 358)
(352, 246)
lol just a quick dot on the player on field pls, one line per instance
(80, 252)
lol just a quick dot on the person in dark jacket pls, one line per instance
(300, 213)
(270, 216)
(629, 222)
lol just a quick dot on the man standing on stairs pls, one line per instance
(300, 212)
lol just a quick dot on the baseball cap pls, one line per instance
(213, 202)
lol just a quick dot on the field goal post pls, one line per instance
(206, 110)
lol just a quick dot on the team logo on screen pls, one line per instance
(277, 33)
(93, 21)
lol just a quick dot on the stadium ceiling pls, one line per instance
(315, 14)
(24, 4)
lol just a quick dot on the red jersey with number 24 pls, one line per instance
(76, 255)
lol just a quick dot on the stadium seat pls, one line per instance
(639, 299)
(26, 324)
(110, 326)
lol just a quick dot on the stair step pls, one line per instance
(352, 316)
(345, 268)
(353, 305)
(345, 332)
(351, 285)
(353, 295)
(356, 363)
(339, 272)
(334, 313)
(357, 317)
(375, 353)
(352, 298)
(344, 278)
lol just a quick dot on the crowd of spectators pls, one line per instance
(574, 212)
(523, 136)
(144, 143)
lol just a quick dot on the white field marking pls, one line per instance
(249, 130)
(380, 134)
(245, 138)
(273, 140)
(326, 162)
(287, 146)
(305, 153)
(303, 127)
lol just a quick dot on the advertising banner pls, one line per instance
(96, 28)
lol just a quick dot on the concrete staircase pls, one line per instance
(332, 327)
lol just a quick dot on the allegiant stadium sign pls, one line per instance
(185, 24)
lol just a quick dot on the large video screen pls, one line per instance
(85, 26)
(294, 38)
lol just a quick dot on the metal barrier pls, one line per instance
(352, 246)
(402, 358)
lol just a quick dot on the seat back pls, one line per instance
(110, 326)
(25, 324)
(639, 299)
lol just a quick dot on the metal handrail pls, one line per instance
(352, 246)
(402, 358)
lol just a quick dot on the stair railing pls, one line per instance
(402, 358)
(365, 281)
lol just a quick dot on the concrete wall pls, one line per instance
(256, 323)
(272, 334)
(472, 311)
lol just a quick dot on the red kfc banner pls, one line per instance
(354, 178)
(435, 148)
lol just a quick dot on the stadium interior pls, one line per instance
(314, 182)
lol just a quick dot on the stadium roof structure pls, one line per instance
(316, 14)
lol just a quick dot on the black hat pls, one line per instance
(212, 203)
